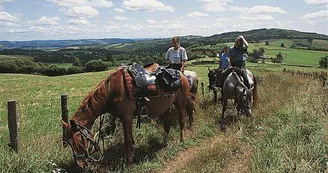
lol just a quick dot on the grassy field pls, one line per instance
(289, 128)
(11, 57)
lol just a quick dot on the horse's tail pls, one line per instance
(192, 98)
(255, 94)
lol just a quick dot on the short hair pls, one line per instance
(176, 38)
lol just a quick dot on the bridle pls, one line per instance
(91, 142)
(245, 91)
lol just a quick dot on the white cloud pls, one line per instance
(101, 3)
(215, 6)
(82, 11)
(218, 1)
(146, 5)
(48, 20)
(316, 2)
(150, 21)
(323, 14)
(120, 10)
(92, 3)
(197, 14)
(121, 18)
(256, 17)
(79, 21)
(6, 17)
(264, 10)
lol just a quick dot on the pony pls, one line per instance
(214, 80)
(234, 88)
(111, 95)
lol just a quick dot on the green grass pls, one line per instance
(40, 127)
(11, 57)
(293, 56)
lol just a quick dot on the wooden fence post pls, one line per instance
(13, 125)
(203, 90)
(64, 115)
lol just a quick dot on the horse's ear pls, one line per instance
(73, 124)
(208, 69)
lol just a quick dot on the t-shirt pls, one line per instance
(224, 61)
(236, 54)
(176, 56)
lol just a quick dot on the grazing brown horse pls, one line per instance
(111, 95)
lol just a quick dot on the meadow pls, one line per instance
(288, 132)
(11, 57)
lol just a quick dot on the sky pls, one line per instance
(85, 19)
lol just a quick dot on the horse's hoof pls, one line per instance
(190, 127)
(223, 128)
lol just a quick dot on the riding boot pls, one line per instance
(244, 74)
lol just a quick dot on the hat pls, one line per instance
(242, 39)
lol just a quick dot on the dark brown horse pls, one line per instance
(214, 80)
(111, 95)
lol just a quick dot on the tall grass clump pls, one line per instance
(296, 138)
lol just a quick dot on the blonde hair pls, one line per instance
(176, 38)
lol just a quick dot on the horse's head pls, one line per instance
(213, 76)
(81, 141)
(245, 101)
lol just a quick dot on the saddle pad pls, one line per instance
(129, 85)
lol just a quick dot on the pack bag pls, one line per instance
(168, 79)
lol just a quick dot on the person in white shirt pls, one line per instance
(176, 56)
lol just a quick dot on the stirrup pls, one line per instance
(144, 112)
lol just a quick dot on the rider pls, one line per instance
(224, 59)
(236, 57)
(176, 56)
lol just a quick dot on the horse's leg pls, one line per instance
(222, 119)
(181, 105)
(215, 95)
(128, 138)
(166, 119)
(190, 112)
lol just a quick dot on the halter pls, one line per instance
(239, 82)
(86, 133)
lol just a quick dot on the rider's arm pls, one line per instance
(229, 61)
(167, 59)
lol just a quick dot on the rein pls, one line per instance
(239, 82)
(86, 133)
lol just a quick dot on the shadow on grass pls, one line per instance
(114, 157)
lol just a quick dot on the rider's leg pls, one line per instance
(244, 74)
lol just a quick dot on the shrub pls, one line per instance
(74, 70)
(28, 69)
(8, 67)
(282, 45)
(95, 65)
(324, 62)
(54, 70)
(278, 59)
(77, 62)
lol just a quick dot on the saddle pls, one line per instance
(141, 76)
(150, 80)
(239, 72)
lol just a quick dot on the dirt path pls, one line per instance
(188, 155)
(238, 161)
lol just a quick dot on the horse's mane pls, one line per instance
(93, 103)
